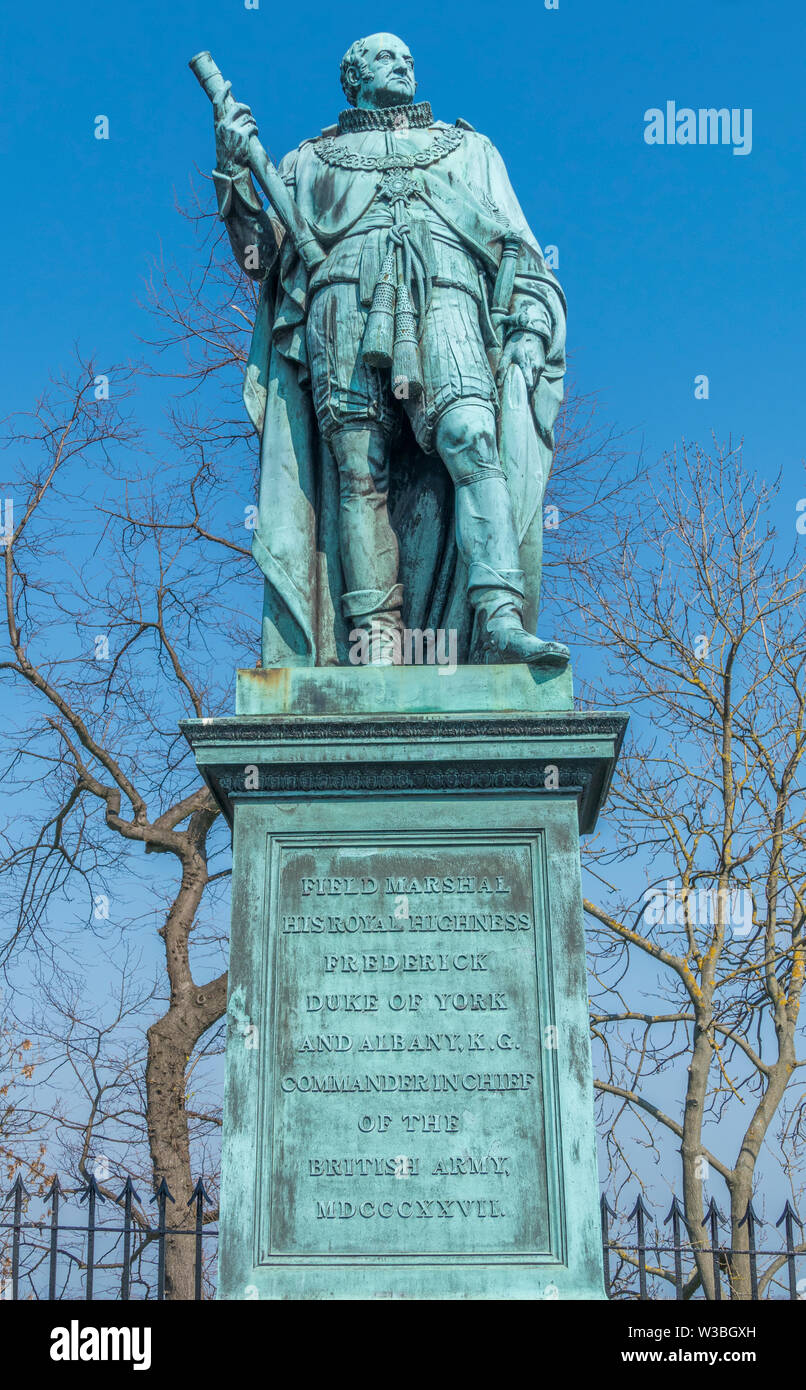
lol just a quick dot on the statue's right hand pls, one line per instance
(234, 127)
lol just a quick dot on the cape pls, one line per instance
(295, 541)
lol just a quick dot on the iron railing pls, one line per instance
(641, 1261)
(48, 1257)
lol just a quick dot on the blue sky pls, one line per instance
(676, 260)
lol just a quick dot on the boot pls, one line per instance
(489, 543)
(499, 615)
(377, 626)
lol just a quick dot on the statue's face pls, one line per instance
(390, 73)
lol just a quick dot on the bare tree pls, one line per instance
(698, 622)
(110, 629)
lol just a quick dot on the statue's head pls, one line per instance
(378, 71)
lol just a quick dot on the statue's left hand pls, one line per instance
(524, 350)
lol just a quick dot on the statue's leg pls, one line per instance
(358, 416)
(455, 416)
(369, 550)
(464, 438)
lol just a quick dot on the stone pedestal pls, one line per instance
(409, 1109)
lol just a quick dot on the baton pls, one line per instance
(209, 76)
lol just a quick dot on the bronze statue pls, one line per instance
(405, 374)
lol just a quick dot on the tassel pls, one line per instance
(406, 356)
(378, 340)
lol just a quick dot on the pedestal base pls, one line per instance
(408, 1109)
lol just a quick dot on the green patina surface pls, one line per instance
(405, 374)
(409, 1108)
(345, 690)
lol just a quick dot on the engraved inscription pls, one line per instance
(406, 1082)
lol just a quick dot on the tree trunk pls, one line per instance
(171, 1040)
(692, 1155)
(170, 1143)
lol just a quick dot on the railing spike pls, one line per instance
(199, 1197)
(127, 1196)
(789, 1211)
(53, 1194)
(92, 1189)
(751, 1217)
(17, 1189)
(606, 1211)
(128, 1191)
(712, 1217)
(789, 1216)
(91, 1194)
(640, 1208)
(55, 1190)
(161, 1196)
(676, 1214)
(200, 1193)
(675, 1210)
(640, 1211)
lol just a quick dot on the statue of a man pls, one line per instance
(406, 390)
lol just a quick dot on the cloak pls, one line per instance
(295, 541)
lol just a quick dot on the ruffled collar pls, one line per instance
(357, 118)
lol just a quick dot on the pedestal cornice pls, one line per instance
(553, 753)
